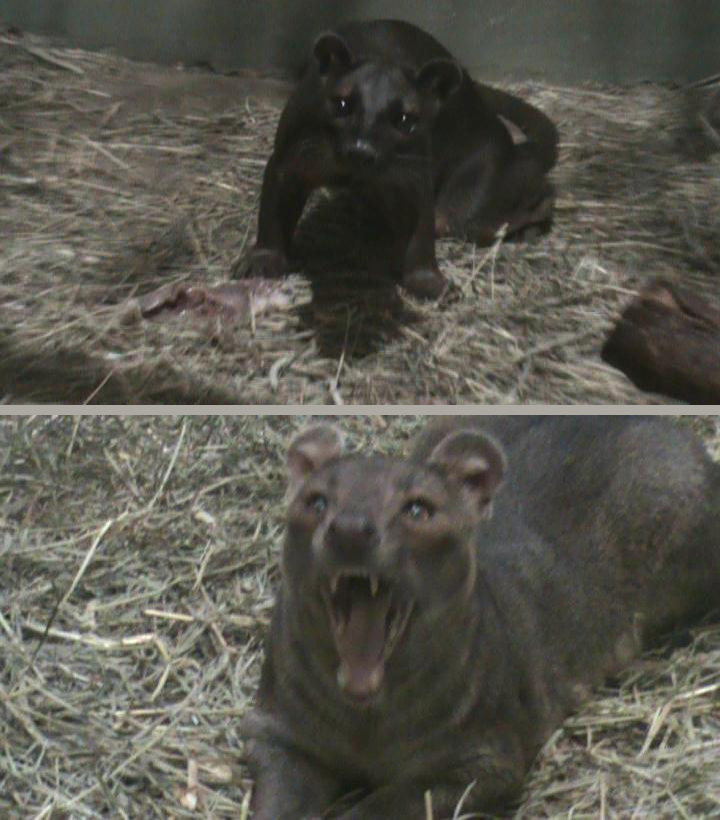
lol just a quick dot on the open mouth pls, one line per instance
(367, 618)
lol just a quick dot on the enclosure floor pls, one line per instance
(139, 562)
(117, 177)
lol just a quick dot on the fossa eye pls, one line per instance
(406, 121)
(317, 503)
(418, 510)
(342, 106)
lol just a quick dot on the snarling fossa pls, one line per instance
(384, 109)
(439, 616)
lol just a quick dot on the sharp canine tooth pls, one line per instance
(373, 585)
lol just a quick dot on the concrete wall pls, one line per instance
(560, 41)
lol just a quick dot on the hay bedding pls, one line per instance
(139, 560)
(118, 178)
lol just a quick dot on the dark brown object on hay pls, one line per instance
(668, 341)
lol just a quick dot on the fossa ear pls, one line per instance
(440, 78)
(476, 462)
(310, 449)
(331, 53)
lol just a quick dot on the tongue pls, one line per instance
(361, 645)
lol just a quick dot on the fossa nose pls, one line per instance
(351, 536)
(361, 152)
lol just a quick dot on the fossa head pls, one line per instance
(374, 543)
(376, 110)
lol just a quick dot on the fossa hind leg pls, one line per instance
(476, 202)
(662, 516)
(691, 576)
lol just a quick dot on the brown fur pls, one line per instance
(603, 532)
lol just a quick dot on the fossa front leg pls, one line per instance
(410, 213)
(420, 271)
(282, 199)
(288, 785)
(488, 777)
(408, 800)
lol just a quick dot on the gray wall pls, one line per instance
(562, 41)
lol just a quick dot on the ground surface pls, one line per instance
(139, 561)
(116, 178)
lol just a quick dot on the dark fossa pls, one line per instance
(439, 616)
(384, 109)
